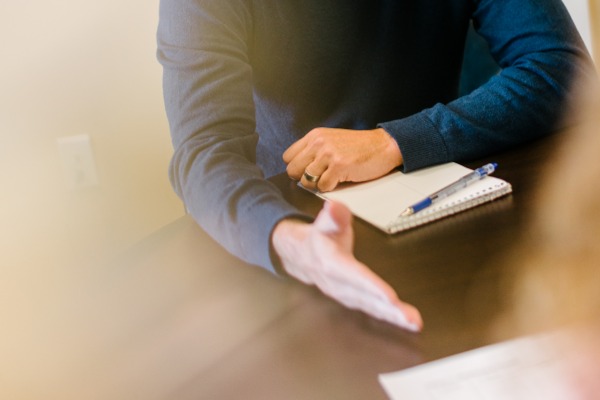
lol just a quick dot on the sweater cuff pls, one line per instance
(420, 142)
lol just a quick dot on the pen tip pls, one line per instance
(407, 212)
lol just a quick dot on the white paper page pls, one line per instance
(381, 201)
(521, 369)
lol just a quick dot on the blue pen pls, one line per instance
(462, 183)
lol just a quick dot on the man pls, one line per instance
(339, 90)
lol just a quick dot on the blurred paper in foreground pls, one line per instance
(532, 367)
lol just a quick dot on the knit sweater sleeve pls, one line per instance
(203, 46)
(540, 52)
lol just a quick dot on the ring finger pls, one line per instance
(312, 174)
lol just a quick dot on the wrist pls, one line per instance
(285, 232)
(392, 150)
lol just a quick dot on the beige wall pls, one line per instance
(80, 67)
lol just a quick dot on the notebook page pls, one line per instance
(381, 201)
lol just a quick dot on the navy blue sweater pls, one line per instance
(244, 79)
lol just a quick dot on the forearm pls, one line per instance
(541, 55)
(208, 98)
(239, 210)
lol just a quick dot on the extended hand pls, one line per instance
(341, 155)
(321, 254)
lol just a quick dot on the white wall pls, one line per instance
(80, 67)
(580, 12)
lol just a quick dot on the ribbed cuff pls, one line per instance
(420, 142)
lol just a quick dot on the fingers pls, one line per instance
(397, 313)
(311, 176)
(295, 149)
(334, 218)
(380, 304)
(312, 155)
(335, 221)
(339, 213)
(299, 155)
(351, 282)
(313, 173)
(324, 182)
(341, 155)
(321, 254)
(302, 165)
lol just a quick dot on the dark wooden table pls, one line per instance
(179, 318)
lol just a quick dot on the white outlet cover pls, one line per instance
(78, 161)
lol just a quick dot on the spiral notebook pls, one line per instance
(381, 201)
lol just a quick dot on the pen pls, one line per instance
(462, 183)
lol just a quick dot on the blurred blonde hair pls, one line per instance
(558, 283)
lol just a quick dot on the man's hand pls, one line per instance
(341, 155)
(321, 254)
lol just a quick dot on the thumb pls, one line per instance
(335, 218)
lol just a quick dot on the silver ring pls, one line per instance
(311, 178)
